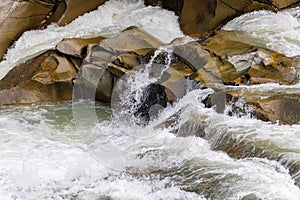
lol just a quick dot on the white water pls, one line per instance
(276, 31)
(45, 154)
(109, 20)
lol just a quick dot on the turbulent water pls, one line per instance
(83, 150)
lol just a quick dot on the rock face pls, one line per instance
(17, 17)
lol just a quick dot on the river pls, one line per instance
(86, 150)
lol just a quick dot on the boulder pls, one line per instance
(55, 68)
(23, 72)
(19, 16)
(30, 92)
(251, 64)
(198, 17)
(152, 101)
(75, 8)
(111, 59)
(76, 46)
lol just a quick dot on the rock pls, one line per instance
(112, 58)
(280, 4)
(55, 68)
(131, 40)
(250, 197)
(285, 110)
(97, 82)
(252, 64)
(30, 92)
(198, 17)
(76, 46)
(19, 16)
(23, 72)
(173, 5)
(152, 101)
(175, 84)
(75, 8)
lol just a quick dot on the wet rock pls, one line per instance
(152, 101)
(76, 46)
(280, 4)
(175, 84)
(285, 110)
(252, 64)
(97, 82)
(111, 59)
(30, 92)
(131, 40)
(250, 197)
(202, 16)
(19, 16)
(198, 17)
(173, 5)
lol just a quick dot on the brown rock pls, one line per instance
(111, 59)
(55, 68)
(131, 40)
(76, 46)
(285, 3)
(75, 8)
(96, 82)
(23, 72)
(252, 64)
(33, 92)
(19, 16)
(173, 5)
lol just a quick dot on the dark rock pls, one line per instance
(152, 101)
(173, 5)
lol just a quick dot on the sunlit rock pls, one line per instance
(252, 64)
(111, 59)
(55, 68)
(76, 46)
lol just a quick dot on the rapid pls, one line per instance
(86, 150)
